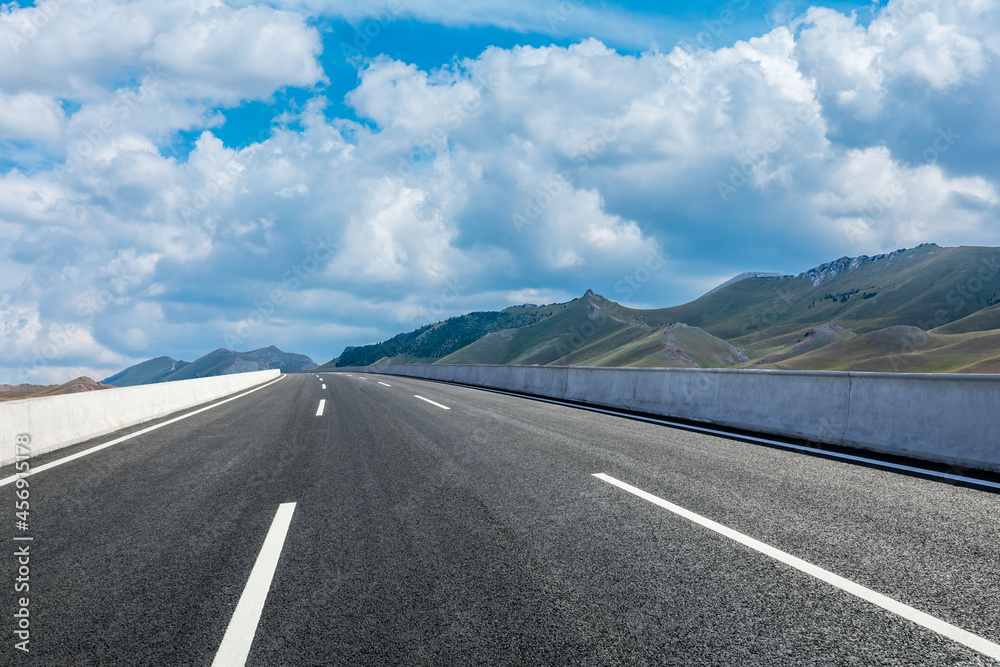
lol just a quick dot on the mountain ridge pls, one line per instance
(951, 295)
(218, 362)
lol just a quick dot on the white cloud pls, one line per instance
(30, 116)
(879, 204)
(528, 171)
(228, 56)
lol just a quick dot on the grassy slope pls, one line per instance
(906, 350)
(983, 320)
(910, 289)
(802, 342)
(862, 318)
(592, 331)
(213, 363)
(431, 342)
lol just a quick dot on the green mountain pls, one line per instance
(434, 341)
(592, 331)
(219, 362)
(927, 309)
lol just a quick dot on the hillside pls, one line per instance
(925, 287)
(147, 372)
(10, 392)
(434, 341)
(592, 331)
(219, 362)
(926, 309)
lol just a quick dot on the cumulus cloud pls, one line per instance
(528, 172)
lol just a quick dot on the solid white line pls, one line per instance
(384, 384)
(7, 480)
(975, 642)
(445, 407)
(738, 436)
(243, 626)
(319, 410)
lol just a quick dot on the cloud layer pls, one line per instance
(523, 172)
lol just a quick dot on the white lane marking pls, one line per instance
(444, 407)
(324, 386)
(319, 410)
(384, 384)
(7, 480)
(243, 626)
(975, 642)
(740, 437)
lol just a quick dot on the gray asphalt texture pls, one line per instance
(479, 536)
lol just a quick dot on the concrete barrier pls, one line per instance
(948, 419)
(53, 422)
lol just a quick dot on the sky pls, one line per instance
(183, 175)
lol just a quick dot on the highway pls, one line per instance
(426, 523)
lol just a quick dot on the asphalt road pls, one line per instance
(480, 535)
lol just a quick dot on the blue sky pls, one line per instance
(192, 174)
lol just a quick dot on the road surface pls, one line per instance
(426, 523)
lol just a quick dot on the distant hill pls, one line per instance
(926, 309)
(148, 372)
(219, 362)
(9, 392)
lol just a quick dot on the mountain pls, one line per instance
(592, 331)
(925, 309)
(219, 362)
(148, 372)
(10, 392)
(434, 341)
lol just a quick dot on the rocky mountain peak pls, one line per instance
(832, 269)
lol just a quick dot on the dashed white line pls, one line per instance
(443, 407)
(243, 626)
(384, 384)
(324, 386)
(322, 406)
(72, 457)
(975, 642)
